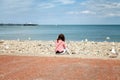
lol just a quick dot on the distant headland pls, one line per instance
(12, 24)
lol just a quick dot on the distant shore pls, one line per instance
(47, 48)
(11, 24)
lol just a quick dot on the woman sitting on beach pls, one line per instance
(60, 44)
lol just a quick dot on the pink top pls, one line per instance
(60, 46)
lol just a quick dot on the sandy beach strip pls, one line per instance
(47, 48)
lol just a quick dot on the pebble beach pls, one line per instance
(76, 48)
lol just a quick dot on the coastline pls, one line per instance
(78, 49)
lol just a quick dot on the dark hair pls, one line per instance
(61, 37)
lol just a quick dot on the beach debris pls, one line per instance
(39, 44)
(113, 53)
(6, 47)
(1, 41)
(113, 50)
(113, 43)
(68, 51)
(73, 52)
(113, 56)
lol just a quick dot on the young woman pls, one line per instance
(60, 44)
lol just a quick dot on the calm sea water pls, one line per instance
(71, 32)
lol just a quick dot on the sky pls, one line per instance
(60, 11)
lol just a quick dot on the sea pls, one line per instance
(97, 33)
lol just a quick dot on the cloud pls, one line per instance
(86, 12)
(66, 1)
(113, 14)
(46, 5)
(105, 8)
(14, 6)
(54, 3)
(73, 12)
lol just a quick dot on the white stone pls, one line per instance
(113, 50)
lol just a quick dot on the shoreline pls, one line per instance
(79, 49)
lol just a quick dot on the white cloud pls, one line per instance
(46, 5)
(113, 14)
(112, 5)
(73, 12)
(65, 1)
(14, 6)
(105, 8)
(17, 3)
(54, 3)
(87, 12)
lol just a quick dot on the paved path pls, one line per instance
(58, 68)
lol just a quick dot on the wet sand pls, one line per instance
(58, 68)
